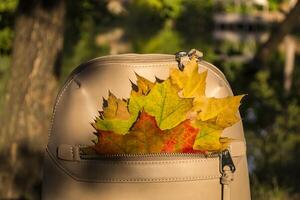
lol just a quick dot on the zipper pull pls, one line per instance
(227, 170)
(227, 161)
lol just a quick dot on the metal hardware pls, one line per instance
(178, 57)
(183, 56)
(226, 160)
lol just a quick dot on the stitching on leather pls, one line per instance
(56, 105)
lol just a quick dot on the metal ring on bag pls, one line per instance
(178, 56)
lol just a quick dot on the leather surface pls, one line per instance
(77, 105)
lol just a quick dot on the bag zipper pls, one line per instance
(227, 167)
(142, 156)
(226, 162)
(85, 153)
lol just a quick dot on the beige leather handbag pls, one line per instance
(69, 174)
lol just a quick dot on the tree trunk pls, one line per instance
(278, 34)
(290, 46)
(29, 96)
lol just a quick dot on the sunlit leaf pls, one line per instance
(190, 80)
(223, 111)
(181, 138)
(209, 138)
(143, 85)
(166, 106)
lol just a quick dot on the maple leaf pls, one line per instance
(181, 138)
(117, 116)
(143, 85)
(221, 111)
(166, 106)
(209, 138)
(190, 80)
(136, 100)
(157, 119)
(144, 137)
(109, 143)
(115, 108)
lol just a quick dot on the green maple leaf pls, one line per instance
(166, 106)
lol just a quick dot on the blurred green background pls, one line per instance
(229, 33)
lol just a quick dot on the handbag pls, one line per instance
(69, 173)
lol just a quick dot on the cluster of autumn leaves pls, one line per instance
(173, 115)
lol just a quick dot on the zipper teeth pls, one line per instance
(148, 155)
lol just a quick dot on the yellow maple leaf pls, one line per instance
(143, 85)
(221, 111)
(189, 80)
(209, 138)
